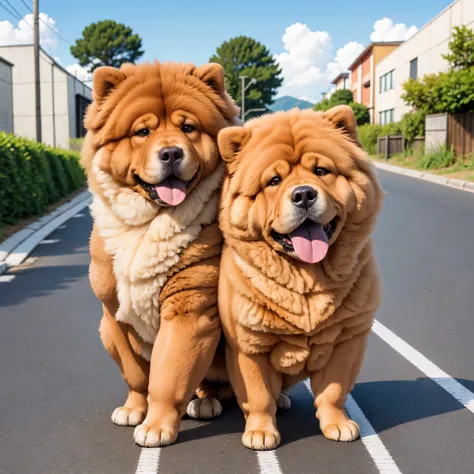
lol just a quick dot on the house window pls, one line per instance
(386, 82)
(386, 116)
(81, 106)
(414, 68)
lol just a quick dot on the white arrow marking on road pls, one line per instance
(268, 462)
(149, 461)
(444, 380)
(374, 445)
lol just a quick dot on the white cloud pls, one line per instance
(308, 64)
(386, 30)
(23, 33)
(80, 72)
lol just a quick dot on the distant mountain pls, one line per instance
(287, 102)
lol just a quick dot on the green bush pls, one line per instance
(368, 135)
(442, 157)
(392, 128)
(33, 176)
(412, 125)
(361, 113)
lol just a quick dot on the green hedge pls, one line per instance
(33, 176)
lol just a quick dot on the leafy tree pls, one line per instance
(244, 56)
(107, 43)
(451, 91)
(361, 113)
(461, 48)
(339, 97)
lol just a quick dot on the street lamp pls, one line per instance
(244, 88)
(253, 110)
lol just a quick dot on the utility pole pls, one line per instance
(37, 68)
(244, 88)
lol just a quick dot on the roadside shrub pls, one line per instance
(442, 157)
(392, 128)
(368, 135)
(361, 113)
(33, 176)
(412, 125)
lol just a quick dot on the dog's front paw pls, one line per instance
(343, 431)
(260, 440)
(124, 416)
(154, 436)
(204, 408)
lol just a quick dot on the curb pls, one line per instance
(16, 248)
(433, 178)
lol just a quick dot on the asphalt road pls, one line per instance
(58, 386)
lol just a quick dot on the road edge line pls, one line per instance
(422, 363)
(373, 444)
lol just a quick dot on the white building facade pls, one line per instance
(63, 97)
(416, 57)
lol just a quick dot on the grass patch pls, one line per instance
(441, 161)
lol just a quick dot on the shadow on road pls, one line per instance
(38, 282)
(386, 404)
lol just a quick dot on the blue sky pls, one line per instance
(191, 30)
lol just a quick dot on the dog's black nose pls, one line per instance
(304, 196)
(171, 154)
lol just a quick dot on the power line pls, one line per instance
(9, 12)
(45, 24)
(14, 9)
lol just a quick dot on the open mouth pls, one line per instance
(310, 241)
(170, 192)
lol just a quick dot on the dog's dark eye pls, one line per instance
(186, 128)
(275, 181)
(143, 132)
(321, 171)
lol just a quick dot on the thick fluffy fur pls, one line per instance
(155, 267)
(284, 319)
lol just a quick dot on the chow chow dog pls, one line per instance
(299, 283)
(155, 173)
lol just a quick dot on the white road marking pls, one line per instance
(49, 241)
(268, 462)
(62, 227)
(149, 461)
(374, 445)
(78, 215)
(6, 278)
(444, 380)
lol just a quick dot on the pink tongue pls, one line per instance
(310, 242)
(172, 191)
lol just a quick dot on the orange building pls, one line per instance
(363, 73)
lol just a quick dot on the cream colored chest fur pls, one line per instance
(145, 242)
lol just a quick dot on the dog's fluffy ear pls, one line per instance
(213, 75)
(105, 79)
(342, 116)
(231, 140)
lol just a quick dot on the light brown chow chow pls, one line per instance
(298, 284)
(155, 172)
